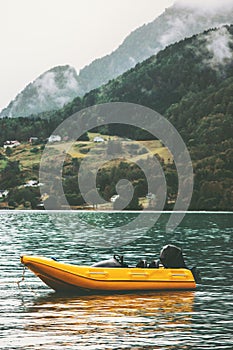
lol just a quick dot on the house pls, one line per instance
(98, 139)
(114, 198)
(33, 140)
(40, 206)
(11, 144)
(33, 183)
(150, 196)
(3, 193)
(54, 138)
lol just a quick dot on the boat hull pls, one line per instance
(72, 278)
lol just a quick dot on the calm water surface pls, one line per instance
(34, 317)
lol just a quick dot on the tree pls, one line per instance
(29, 197)
(8, 151)
(84, 137)
(92, 197)
(74, 199)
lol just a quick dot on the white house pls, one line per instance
(11, 144)
(33, 140)
(54, 138)
(98, 139)
(150, 195)
(3, 193)
(31, 183)
(114, 198)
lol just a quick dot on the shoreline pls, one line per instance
(15, 211)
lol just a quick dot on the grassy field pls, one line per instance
(27, 154)
(3, 164)
(30, 155)
(156, 147)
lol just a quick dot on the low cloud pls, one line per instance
(46, 84)
(178, 28)
(218, 43)
(48, 87)
(197, 17)
(50, 91)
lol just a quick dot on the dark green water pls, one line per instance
(33, 317)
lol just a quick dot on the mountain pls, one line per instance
(61, 84)
(191, 84)
(183, 72)
(176, 23)
(49, 91)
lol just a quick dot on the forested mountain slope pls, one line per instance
(191, 84)
(177, 22)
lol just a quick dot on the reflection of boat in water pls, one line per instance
(127, 304)
(113, 275)
(114, 318)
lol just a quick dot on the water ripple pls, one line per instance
(34, 318)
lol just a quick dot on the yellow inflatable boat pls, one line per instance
(64, 277)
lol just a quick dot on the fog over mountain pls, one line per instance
(49, 91)
(60, 85)
(219, 45)
(183, 19)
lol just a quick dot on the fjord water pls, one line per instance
(34, 317)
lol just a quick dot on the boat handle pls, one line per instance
(138, 274)
(98, 273)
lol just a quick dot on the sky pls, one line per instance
(38, 35)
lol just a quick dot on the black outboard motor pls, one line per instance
(171, 257)
(116, 261)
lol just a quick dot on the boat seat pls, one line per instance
(153, 265)
(142, 263)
